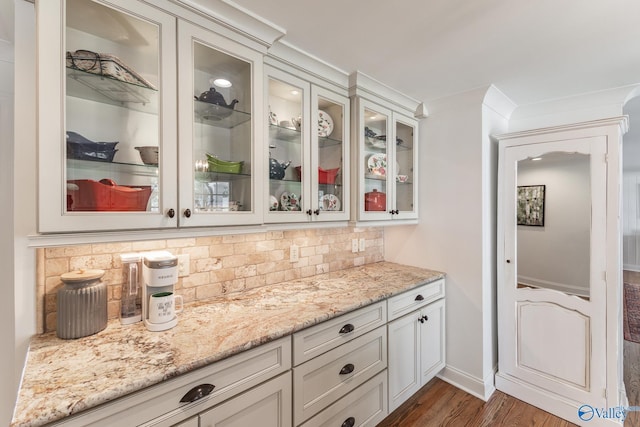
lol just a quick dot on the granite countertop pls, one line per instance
(64, 377)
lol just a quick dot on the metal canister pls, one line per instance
(82, 304)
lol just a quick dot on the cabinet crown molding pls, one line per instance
(367, 87)
(237, 18)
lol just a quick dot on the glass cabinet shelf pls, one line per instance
(219, 116)
(220, 176)
(110, 167)
(284, 134)
(107, 90)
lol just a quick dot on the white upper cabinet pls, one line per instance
(385, 156)
(308, 148)
(127, 139)
(220, 92)
(106, 85)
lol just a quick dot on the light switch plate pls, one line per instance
(363, 244)
(294, 254)
(354, 245)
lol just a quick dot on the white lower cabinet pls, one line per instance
(268, 405)
(365, 406)
(349, 371)
(416, 351)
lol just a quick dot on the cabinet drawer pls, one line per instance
(268, 405)
(323, 380)
(160, 405)
(414, 299)
(321, 338)
(366, 405)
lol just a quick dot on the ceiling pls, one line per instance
(428, 49)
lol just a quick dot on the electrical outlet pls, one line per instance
(354, 245)
(294, 254)
(183, 265)
(363, 244)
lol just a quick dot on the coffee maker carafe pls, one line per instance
(160, 274)
(130, 295)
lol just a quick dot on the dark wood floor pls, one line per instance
(441, 404)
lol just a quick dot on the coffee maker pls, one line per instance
(159, 275)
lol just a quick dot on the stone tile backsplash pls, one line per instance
(218, 264)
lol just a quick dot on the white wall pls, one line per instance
(631, 188)
(7, 335)
(22, 306)
(556, 256)
(456, 234)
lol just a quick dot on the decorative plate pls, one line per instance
(329, 203)
(325, 123)
(289, 202)
(377, 164)
(273, 203)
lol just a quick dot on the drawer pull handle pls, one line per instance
(423, 319)
(347, 369)
(198, 392)
(349, 422)
(347, 328)
(419, 297)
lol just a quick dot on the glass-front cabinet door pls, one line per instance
(386, 163)
(218, 96)
(405, 174)
(106, 114)
(307, 150)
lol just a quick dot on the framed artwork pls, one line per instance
(531, 205)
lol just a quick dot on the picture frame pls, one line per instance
(530, 205)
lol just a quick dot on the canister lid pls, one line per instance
(81, 275)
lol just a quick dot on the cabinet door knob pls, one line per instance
(317, 212)
(171, 213)
(508, 261)
(425, 317)
(198, 392)
(347, 328)
(187, 213)
(309, 212)
(419, 297)
(421, 319)
(349, 422)
(347, 369)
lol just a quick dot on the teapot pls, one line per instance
(276, 169)
(214, 97)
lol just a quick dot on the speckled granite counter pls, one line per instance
(63, 377)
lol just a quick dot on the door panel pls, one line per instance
(552, 302)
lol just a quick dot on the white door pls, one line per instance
(404, 358)
(552, 293)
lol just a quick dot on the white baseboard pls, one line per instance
(482, 389)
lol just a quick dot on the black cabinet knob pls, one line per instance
(419, 297)
(187, 213)
(317, 212)
(198, 392)
(309, 212)
(425, 317)
(349, 422)
(171, 213)
(347, 328)
(347, 369)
